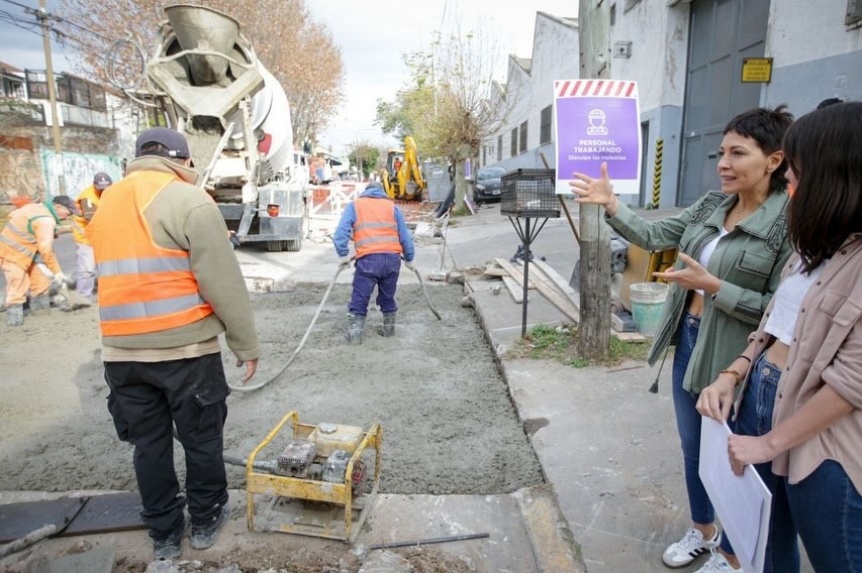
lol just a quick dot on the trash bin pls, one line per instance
(647, 300)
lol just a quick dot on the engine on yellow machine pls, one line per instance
(319, 484)
(323, 455)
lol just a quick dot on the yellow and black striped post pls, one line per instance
(656, 178)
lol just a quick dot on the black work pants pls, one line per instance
(147, 400)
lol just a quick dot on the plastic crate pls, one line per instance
(529, 193)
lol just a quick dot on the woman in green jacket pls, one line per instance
(732, 246)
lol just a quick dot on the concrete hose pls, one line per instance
(425, 292)
(301, 342)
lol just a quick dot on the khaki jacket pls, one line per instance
(826, 349)
(185, 217)
(748, 261)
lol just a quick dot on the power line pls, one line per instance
(39, 14)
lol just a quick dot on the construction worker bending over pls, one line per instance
(87, 202)
(381, 238)
(169, 285)
(30, 231)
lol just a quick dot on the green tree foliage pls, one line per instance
(365, 156)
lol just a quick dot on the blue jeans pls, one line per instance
(828, 512)
(755, 419)
(688, 422)
(380, 270)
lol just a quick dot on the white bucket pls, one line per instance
(647, 300)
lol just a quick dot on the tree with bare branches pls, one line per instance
(114, 38)
(445, 104)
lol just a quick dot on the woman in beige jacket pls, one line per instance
(812, 333)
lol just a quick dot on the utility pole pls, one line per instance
(594, 330)
(42, 15)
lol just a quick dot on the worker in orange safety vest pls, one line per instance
(87, 202)
(169, 286)
(381, 238)
(29, 232)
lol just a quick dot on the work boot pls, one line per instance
(40, 304)
(204, 535)
(355, 326)
(170, 547)
(388, 328)
(15, 315)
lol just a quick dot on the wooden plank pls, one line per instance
(19, 519)
(630, 336)
(561, 302)
(514, 271)
(548, 290)
(515, 289)
(557, 279)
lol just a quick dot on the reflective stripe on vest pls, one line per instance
(17, 245)
(143, 287)
(375, 230)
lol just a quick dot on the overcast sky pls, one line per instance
(372, 34)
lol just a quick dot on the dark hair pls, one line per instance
(824, 149)
(829, 101)
(767, 127)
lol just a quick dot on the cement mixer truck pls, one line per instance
(208, 83)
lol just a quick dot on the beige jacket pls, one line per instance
(826, 349)
(185, 217)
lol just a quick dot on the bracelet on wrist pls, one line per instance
(744, 357)
(735, 374)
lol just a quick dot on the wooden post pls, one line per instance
(43, 16)
(594, 330)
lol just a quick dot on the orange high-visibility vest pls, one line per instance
(18, 239)
(79, 222)
(375, 230)
(143, 287)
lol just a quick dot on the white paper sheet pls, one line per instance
(743, 504)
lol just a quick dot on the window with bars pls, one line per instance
(545, 125)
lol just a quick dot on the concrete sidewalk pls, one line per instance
(608, 447)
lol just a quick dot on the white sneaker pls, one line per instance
(717, 564)
(692, 545)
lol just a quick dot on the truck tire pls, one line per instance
(276, 246)
(294, 245)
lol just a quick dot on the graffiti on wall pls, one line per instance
(78, 170)
(20, 175)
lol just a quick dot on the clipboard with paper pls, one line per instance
(743, 503)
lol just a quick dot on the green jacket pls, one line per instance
(748, 261)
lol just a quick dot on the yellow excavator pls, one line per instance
(402, 178)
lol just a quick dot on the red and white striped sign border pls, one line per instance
(595, 88)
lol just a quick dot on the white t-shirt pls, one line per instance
(788, 301)
(707, 251)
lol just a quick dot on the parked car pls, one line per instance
(487, 185)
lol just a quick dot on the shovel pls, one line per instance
(74, 301)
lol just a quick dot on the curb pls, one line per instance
(553, 545)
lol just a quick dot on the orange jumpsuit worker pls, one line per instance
(87, 202)
(30, 232)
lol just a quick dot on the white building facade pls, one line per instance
(698, 63)
(527, 127)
